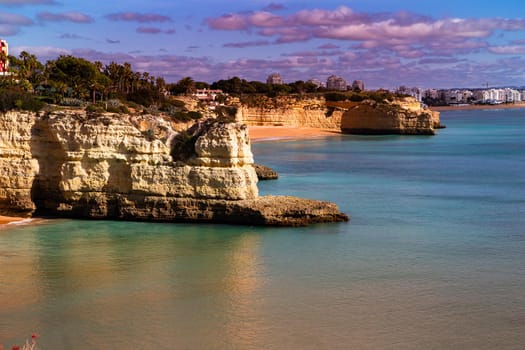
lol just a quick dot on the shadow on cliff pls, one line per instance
(46, 149)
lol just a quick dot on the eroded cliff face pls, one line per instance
(291, 112)
(121, 167)
(403, 116)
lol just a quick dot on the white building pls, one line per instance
(336, 83)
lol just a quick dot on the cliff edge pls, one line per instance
(72, 164)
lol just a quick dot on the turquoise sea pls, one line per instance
(433, 258)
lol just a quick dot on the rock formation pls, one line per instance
(71, 164)
(265, 173)
(399, 116)
(404, 116)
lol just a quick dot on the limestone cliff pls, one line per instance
(399, 116)
(402, 116)
(289, 111)
(123, 167)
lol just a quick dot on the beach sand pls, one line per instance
(7, 219)
(268, 133)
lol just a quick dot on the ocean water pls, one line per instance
(433, 258)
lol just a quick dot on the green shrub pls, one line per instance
(17, 99)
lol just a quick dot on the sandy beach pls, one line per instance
(268, 133)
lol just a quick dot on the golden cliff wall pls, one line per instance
(60, 158)
(402, 116)
(290, 112)
(405, 115)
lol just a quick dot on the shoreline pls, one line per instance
(477, 107)
(281, 133)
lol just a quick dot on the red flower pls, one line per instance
(35, 336)
(15, 347)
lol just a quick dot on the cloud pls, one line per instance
(138, 17)
(27, 2)
(328, 47)
(508, 50)
(241, 45)
(73, 36)
(152, 30)
(10, 23)
(75, 17)
(12, 19)
(43, 53)
(405, 34)
(110, 41)
(274, 7)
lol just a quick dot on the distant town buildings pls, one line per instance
(336, 83)
(207, 94)
(358, 85)
(275, 79)
(4, 60)
(464, 96)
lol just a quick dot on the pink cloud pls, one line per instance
(138, 17)
(228, 22)
(75, 17)
(405, 34)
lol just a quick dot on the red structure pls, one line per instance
(4, 61)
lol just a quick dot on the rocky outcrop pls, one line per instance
(265, 173)
(404, 116)
(71, 164)
(398, 116)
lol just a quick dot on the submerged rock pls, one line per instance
(71, 164)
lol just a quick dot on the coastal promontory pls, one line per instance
(137, 167)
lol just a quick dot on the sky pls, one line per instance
(385, 43)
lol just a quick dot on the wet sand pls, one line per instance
(269, 133)
(8, 219)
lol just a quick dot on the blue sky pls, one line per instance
(386, 43)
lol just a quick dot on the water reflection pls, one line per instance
(87, 285)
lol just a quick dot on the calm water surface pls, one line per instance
(434, 257)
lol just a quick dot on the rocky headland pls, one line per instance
(124, 167)
(401, 115)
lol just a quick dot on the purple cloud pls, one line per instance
(110, 41)
(75, 17)
(405, 34)
(12, 19)
(138, 17)
(247, 44)
(73, 36)
(152, 30)
(10, 23)
(274, 7)
(27, 2)
(328, 47)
